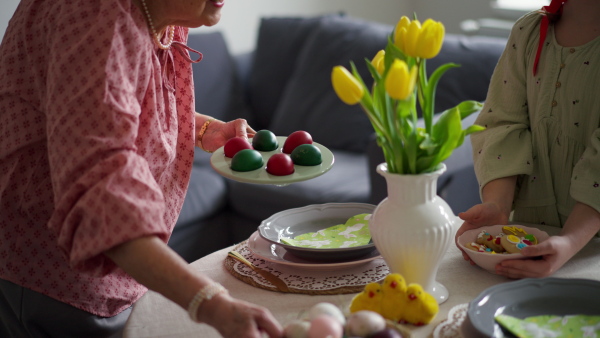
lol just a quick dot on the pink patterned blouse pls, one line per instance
(96, 146)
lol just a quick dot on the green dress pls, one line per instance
(545, 128)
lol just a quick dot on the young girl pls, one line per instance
(539, 157)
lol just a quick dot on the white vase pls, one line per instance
(413, 227)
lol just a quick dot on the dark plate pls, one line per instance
(530, 297)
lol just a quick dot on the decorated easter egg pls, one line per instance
(265, 140)
(325, 326)
(280, 165)
(328, 309)
(295, 139)
(296, 329)
(307, 155)
(247, 160)
(365, 323)
(235, 144)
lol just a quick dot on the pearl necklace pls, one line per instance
(170, 29)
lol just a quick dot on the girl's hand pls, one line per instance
(234, 318)
(547, 258)
(219, 132)
(550, 255)
(480, 215)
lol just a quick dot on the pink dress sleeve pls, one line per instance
(112, 141)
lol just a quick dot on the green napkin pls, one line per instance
(548, 326)
(355, 232)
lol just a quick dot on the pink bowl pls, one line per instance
(489, 261)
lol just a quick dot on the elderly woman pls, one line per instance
(97, 135)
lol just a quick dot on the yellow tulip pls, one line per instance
(378, 61)
(400, 31)
(431, 39)
(416, 40)
(412, 38)
(400, 82)
(346, 86)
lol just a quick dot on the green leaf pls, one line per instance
(448, 132)
(473, 129)
(429, 95)
(469, 107)
(374, 73)
(426, 163)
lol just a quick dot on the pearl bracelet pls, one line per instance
(206, 293)
(201, 134)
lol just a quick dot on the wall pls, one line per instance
(453, 12)
(241, 18)
(7, 8)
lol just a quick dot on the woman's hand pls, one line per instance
(218, 132)
(234, 318)
(484, 214)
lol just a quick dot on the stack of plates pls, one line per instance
(266, 242)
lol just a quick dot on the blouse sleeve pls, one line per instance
(585, 182)
(104, 191)
(504, 148)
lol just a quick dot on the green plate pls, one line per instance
(222, 165)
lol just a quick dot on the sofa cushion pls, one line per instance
(309, 101)
(477, 57)
(346, 181)
(279, 43)
(206, 194)
(217, 89)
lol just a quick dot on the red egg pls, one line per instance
(295, 139)
(280, 165)
(235, 144)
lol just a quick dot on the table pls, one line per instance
(155, 316)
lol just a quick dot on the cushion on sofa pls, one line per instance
(309, 101)
(221, 92)
(347, 181)
(477, 57)
(279, 43)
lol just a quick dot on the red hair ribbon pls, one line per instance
(554, 8)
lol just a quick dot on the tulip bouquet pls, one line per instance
(400, 83)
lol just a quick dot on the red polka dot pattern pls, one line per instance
(96, 146)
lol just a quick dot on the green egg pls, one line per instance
(264, 140)
(246, 160)
(306, 154)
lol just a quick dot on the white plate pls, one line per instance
(312, 218)
(222, 165)
(276, 254)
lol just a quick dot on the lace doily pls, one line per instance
(314, 282)
(450, 327)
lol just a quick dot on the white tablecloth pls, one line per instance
(155, 316)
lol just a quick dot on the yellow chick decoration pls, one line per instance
(394, 297)
(396, 301)
(421, 307)
(368, 299)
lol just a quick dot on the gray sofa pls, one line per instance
(283, 86)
